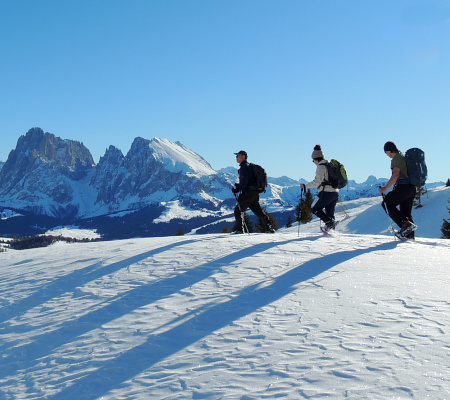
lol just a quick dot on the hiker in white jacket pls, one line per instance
(328, 196)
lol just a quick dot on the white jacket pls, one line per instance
(321, 176)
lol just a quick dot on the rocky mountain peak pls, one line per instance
(178, 158)
(68, 157)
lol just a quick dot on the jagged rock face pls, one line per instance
(49, 175)
(40, 172)
(106, 177)
(152, 171)
(68, 157)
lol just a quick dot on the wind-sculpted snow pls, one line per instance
(294, 315)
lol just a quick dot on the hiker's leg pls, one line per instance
(391, 201)
(243, 201)
(238, 218)
(317, 210)
(406, 205)
(332, 198)
(255, 206)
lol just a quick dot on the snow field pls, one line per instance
(227, 317)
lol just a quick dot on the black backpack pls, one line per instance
(337, 175)
(417, 169)
(260, 176)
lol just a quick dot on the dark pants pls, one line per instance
(327, 201)
(249, 200)
(403, 196)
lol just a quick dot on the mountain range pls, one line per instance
(153, 190)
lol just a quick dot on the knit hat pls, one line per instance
(390, 146)
(317, 153)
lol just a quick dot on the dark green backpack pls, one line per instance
(337, 175)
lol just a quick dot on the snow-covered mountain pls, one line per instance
(294, 315)
(156, 171)
(51, 181)
(45, 174)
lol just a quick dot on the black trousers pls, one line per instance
(327, 201)
(403, 196)
(249, 200)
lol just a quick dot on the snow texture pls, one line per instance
(294, 315)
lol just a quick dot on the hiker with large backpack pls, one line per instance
(328, 191)
(404, 181)
(252, 182)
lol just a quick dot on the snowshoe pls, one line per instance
(406, 230)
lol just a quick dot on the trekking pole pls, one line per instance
(387, 212)
(342, 208)
(300, 211)
(242, 215)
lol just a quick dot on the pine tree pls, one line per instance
(180, 232)
(289, 222)
(226, 229)
(303, 211)
(445, 229)
(249, 223)
(261, 228)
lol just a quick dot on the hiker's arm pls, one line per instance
(394, 177)
(319, 178)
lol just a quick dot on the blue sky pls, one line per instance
(270, 77)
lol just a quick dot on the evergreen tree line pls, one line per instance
(445, 229)
(259, 227)
(18, 243)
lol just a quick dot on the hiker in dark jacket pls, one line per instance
(249, 195)
(328, 196)
(402, 195)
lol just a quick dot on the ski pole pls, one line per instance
(301, 202)
(242, 215)
(387, 212)
(342, 208)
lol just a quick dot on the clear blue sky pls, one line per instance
(273, 77)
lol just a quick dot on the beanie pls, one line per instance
(390, 146)
(317, 153)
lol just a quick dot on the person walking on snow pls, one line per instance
(249, 195)
(328, 196)
(402, 195)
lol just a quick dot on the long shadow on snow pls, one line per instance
(158, 347)
(42, 345)
(75, 279)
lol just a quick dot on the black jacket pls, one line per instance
(247, 179)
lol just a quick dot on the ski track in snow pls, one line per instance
(293, 316)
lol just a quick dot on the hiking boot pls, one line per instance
(407, 228)
(270, 229)
(330, 225)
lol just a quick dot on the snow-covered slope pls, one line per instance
(293, 315)
(178, 158)
(374, 220)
